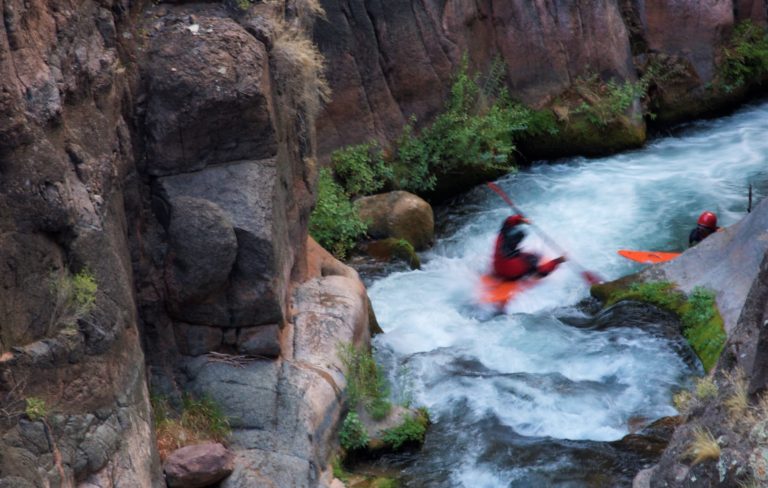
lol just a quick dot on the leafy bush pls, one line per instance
(361, 168)
(746, 57)
(607, 101)
(199, 420)
(411, 430)
(353, 434)
(366, 384)
(334, 223)
(35, 409)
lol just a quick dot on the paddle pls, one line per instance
(589, 276)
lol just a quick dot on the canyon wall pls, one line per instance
(390, 61)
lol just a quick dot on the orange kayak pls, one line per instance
(498, 292)
(648, 257)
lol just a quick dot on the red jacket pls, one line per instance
(520, 264)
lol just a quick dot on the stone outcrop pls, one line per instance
(390, 61)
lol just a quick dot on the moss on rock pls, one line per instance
(702, 325)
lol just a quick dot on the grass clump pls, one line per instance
(35, 409)
(703, 447)
(660, 293)
(745, 59)
(200, 419)
(74, 297)
(334, 223)
(366, 384)
(705, 389)
(682, 400)
(410, 431)
(737, 402)
(353, 434)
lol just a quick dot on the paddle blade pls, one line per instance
(591, 278)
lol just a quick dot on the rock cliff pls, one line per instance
(390, 61)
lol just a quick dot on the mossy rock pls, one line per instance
(577, 135)
(703, 326)
(393, 249)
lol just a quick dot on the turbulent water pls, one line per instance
(528, 398)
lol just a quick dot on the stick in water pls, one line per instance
(589, 276)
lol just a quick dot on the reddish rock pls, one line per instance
(198, 466)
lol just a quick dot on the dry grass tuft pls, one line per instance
(682, 400)
(299, 69)
(737, 403)
(200, 420)
(705, 388)
(703, 446)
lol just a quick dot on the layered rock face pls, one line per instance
(388, 62)
(66, 76)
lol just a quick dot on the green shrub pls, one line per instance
(745, 59)
(606, 102)
(411, 166)
(334, 223)
(411, 430)
(74, 297)
(353, 434)
(361, 168)
(366, 384)
(35, 409)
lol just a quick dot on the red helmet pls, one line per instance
(708, 219)
(513, 220)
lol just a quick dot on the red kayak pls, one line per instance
(648, 257)
(498, 292)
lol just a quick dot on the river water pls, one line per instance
(535, 396)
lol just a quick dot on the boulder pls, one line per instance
(398, 214)
(198, 466)
(245, 195)
(390, 249)
(262, 341)
(208, 93)
(203, 248)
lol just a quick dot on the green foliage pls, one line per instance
(705, 388)
(205, 415)
(353, 434)
(607, 101)
(338, 470)
(361, 168)
(701, 308)
(660, 293)
(35, 409)
(334, 223)
(411, 430)
(366, 384)
(412, 171)
(745, 59)
(74, 297)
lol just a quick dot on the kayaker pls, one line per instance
(509, 262)
(705, 226)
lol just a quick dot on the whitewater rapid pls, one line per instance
(529, 380)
